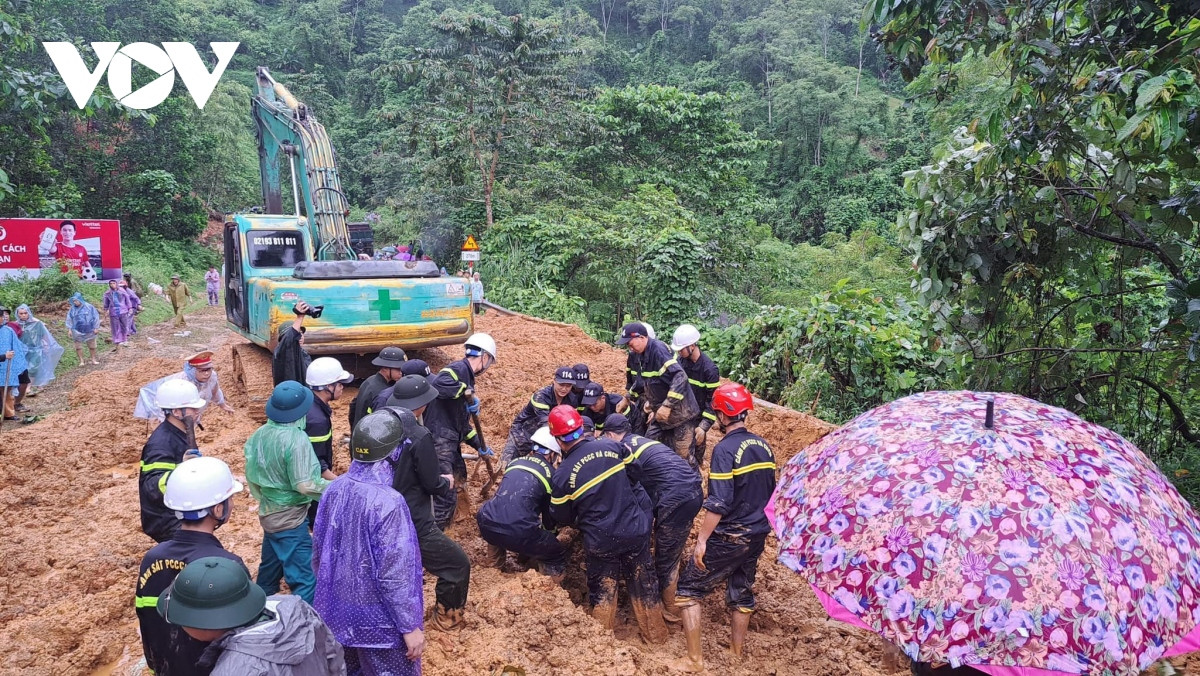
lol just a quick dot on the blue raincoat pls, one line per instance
(368, 562)
(82, 320)
(15, 366)
(43, 351)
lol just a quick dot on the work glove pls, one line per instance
(473, 407)
(488, 452)
(646, 408)
(701, 433)
(662, 414)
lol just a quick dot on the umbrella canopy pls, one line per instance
(1041, 545)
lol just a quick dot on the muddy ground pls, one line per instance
(71, 539)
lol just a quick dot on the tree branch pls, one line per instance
(1181, 423)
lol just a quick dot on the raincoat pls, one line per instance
(120, 306)
(367, 561)
(42, 350)
(9, 342)
(82, 320)
(209, 391)
(281, 468)
(292, 641)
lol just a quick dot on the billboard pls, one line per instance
(92, 248)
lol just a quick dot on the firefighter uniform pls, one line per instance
(518, 518)
(611, 401)
(447, 420)
(162, 453)
(318, 425)
(591, 491)
(530, 418)
(673, 486)
(364, 401)
(704, 378)
(663, 382)
(741, 480)
(168, 649)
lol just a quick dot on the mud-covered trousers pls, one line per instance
(631, 563)
(450, 461)
(732, 559)
(671, 531)
(442, 558)
(539, 545)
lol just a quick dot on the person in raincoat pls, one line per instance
(284, 476)
(181, 297)
(212, 285)
(120, 310)
(367, 559)
(248, 632)
(83, 321)
(42, 350)
(12, 365)
(199, 370)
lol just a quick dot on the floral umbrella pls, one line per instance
(1029, 542)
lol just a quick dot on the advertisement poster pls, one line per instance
(90, 247)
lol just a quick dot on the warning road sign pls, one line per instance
(471, 244)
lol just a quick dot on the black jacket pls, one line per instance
(364, 401)
(446, 417)
(591, 491)
(169, 650)
(704, 378)
(663, 381)
(668, 479)
(741, 479)
(537, 411)
(610, 407)
(290, 361)
(416, 477)
(318, 425)
(162, 453)
(522, 503)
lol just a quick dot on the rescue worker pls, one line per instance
(598, 405)
(411, 367)
(583, 376)
(201, 493)
(704, 378)
(284, 477)
(366, 558)
(389, 361)
(181, 297)
(172, 442)
(666, 397)
(534, 414)
(673, 486)
(290, 361)
(417, 478)
(517, 518)
(741, 479)
(213, 600)
(591, 492)
(327, 380)
(448, 418)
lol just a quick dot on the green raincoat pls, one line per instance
(281, 468)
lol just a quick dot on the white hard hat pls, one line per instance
(685, 335)
(196, 485)
(543, 438)
(178, 393)
(482, 341)
(649, 330)
(326, 371)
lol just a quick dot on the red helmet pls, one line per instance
(732, 399)
(564, 420)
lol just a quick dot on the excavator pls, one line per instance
(274, 260)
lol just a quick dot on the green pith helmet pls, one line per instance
(212, 593)
(377, 435)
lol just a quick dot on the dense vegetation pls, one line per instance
(991, 195)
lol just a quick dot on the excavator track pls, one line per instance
(252, 371)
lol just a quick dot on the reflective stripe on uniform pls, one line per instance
(652, 374)
(162, 482)
(742, 470)
(545, 483)
(152, 466)
(145, 601)
(324, 437)
(462, 387)
(710, 416)
(634, 456)
(589, 485)
(538, 404)
(674, 395)
(697, 383)
(471, 434)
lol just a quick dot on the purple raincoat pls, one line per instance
(368, 563)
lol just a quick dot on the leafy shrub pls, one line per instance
(50, 287)
(155, 203)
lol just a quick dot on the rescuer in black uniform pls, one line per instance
(411, 367)
(327, 379)
(389, 361)
(535, 413)
(598, 405)
(170, 444)
(704, 378)
(665, 395)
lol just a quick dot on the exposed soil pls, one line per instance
(72, 543)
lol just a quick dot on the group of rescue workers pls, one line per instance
(623, 470)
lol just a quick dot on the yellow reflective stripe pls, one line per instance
(451, 372)
(537, 404)
(462, 387)
(698, 383)
(471, 434)
(638, 451)
(326, 437)
(710, 416)
(145, 601)
(742, 470)
(674, 395)
(369, 410)
(589, 485)
(151, 466)
(532, 471)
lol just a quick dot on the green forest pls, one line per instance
(853, 202)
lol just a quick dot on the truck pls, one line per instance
(274, 260)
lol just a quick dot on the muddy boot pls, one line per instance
(555, 577)
(650, 621)
(447, 619)
(606, 613)
(495, 557)
(739, 624)
(694, 662)
(668, 603)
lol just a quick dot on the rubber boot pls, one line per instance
(668, 603)
(650, 621)
(447, 619)
(495, 557)
(606, 613)
(739, 624)
(694, 662)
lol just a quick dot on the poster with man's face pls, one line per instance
(88, 247)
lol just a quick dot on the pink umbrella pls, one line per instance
(1031, 545)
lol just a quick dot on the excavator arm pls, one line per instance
(288, 131)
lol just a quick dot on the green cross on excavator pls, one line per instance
(384, 305)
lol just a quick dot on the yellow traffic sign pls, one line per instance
(471, 244)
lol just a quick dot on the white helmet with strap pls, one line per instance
(198, 484)
(649, 330)
(178, 393)
(684, 336)
(481, 342)
(543, 438)
(325, 371)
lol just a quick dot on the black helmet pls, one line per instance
(212, 593)
(412, 392)
(376, 436)
(415, 367)
(390, 357)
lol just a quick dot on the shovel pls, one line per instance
(4, 392)
(492, 476)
